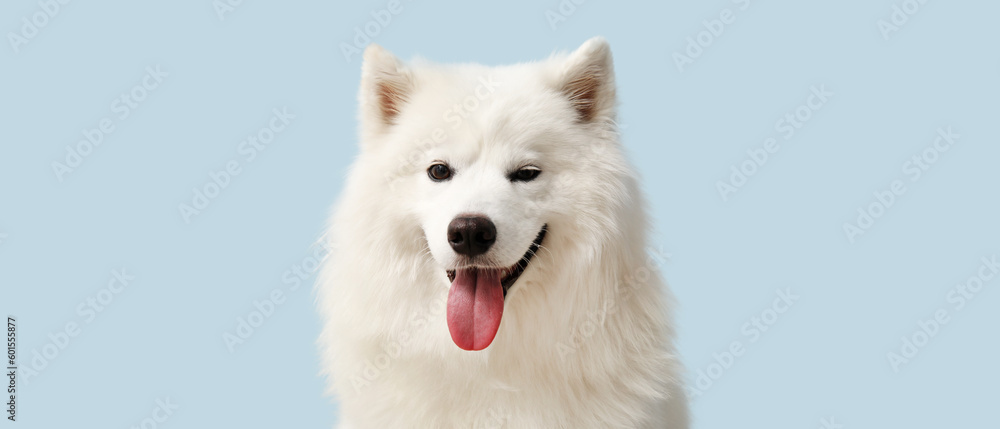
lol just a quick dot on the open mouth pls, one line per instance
(476, 299)
(509, 276)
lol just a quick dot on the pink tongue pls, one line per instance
(475, 306)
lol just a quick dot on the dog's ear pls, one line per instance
(386, 84)
(588, 80)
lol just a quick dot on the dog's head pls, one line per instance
(487, 160)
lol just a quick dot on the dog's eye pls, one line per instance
(439, 172)
(525, 174)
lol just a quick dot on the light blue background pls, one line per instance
(825, 357)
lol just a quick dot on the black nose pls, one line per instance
(471, 235)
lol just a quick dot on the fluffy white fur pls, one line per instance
(586, 337)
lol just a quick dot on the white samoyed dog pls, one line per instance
(490, 267)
